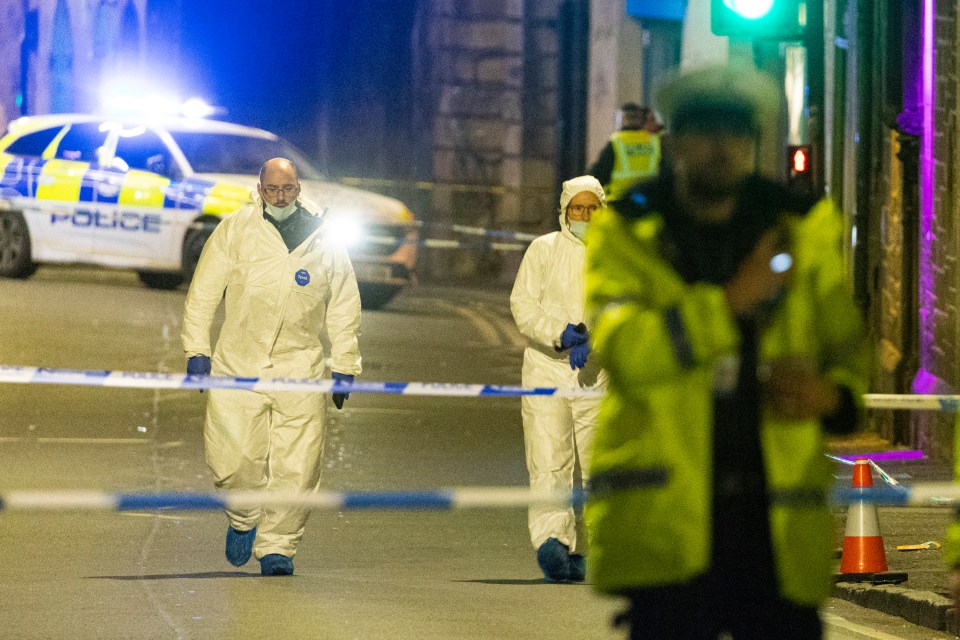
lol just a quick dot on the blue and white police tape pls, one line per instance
(520, 240)
(922, 494)
(436, 243)
(481, 231)
(150, 380)
(945, 403)
(510, 240)
(934, 494)
(852, 460)
(438, 499)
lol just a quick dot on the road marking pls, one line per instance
(491, 327)
(484, 327)
(79, 440)
(854, 631)
(156, 515)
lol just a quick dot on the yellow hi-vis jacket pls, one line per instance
(656, 426)
(636, 156)
(951, 547)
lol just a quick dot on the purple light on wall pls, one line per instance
(927, 213)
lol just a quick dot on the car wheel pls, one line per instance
(161, 279)
(15, 261)
(193, 244)
(376, 295)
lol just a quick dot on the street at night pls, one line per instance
(359, 574)
(713, 244)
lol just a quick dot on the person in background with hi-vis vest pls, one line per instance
(722, 312)
(547, 305)
(287, 289)
(632, 154)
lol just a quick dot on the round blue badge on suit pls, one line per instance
(302, 277)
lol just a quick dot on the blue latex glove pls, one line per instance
(198, 366)
(338, 398)
(573, 335)
(578, 355)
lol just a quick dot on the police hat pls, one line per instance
(719, 99)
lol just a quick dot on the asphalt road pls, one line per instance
(397, 574)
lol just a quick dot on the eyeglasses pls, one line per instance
(580, 209)
(287, 189)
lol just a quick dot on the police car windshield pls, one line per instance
(237, 154)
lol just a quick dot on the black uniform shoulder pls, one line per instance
(644, 199)
(776, 197)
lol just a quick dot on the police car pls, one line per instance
(146, 194)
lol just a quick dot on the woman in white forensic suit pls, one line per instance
(548, 306)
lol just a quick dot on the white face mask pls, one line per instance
(281, 214)
(578, 228)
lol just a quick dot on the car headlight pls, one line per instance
(343, 230)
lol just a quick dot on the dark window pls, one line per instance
(81, 142)
(33, 144)
(228, 153)
(145, 151)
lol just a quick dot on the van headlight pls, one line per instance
(343, 230)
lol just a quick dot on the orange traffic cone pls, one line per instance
(864, 559)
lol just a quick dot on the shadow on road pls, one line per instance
(517, 582)
(180, 576)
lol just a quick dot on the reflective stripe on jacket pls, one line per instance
(636, 156)
(659, 339)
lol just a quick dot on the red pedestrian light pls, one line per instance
(800, 160)
(800, 168)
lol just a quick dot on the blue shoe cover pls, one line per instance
(554, 559)
(578, 567)
(240, 546)
(276, 564)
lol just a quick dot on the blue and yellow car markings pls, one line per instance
(19, 174)
(50, 152)
(188, 194)
(60, 180)
(225, 197)
(143, 189)
(79, 183)
(104, 186)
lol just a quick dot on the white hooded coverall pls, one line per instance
(558, 432)
(280, 307)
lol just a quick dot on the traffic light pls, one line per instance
(799, 168)
(759, 19)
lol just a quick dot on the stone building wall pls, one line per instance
(940, 321)
(493, 76)
(891, 312)
(65, 38)
(11, 37)
(914, 276)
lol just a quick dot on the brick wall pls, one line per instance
(889, 313)
(942, 325)
(11, 36)
(76, 88)
(493, 70)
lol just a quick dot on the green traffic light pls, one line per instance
(750, 9)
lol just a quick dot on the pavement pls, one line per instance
(924, 598)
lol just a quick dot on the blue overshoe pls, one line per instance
(240, 546)
(554, 559)
(578, 567)
(276, 564)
